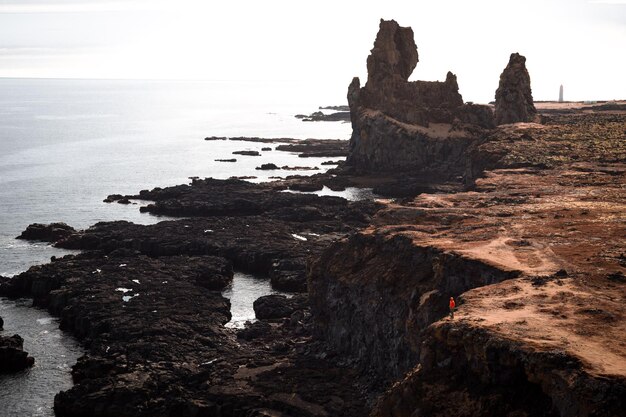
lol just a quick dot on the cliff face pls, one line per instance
(398, 124)
(373, 294)
(514, 98)
(483, 368)
(533, 255)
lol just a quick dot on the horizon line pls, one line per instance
(246, 80)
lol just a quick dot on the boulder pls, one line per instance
(276, 306)
(514, 98)
(12, 355)
(52, 232)
(267, 167)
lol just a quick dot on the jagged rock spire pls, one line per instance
(514, 98)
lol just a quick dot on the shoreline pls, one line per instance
(232, 367)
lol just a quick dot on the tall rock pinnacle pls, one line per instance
(514, 98)
(394, 54)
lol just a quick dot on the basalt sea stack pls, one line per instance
(418, 126)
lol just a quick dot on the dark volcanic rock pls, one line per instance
(505, 379)
(342, 107)
(305, 186)
(418, 126)
(290, 274)
(210, 197)
(47, 232)
(317, 148)
(113, 197)
(367, 291)
(247, 153)
(12, 355)
(299, 168)
(140, 317)
(254, 330)
(514, 98)
(214, 273)
(278, 306)
(268, 167)
(137, 298)
(251, 225)
(318, 116)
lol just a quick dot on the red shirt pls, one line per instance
(452, 305)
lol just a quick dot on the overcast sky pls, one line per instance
(579, 43)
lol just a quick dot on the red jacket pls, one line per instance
(452, 304)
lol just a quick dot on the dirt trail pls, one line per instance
(507, 254)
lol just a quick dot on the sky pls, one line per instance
(578, 43)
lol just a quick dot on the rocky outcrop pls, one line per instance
(258, 228)
(247, 153)
(469, 370)
(384, 144)
(143, 300)
(157, 345)
(12, 355)
(514, 98)
(412, 126)
(47, 232)
(267, 167)
(318, 116)
(317, 148)
(388, 90)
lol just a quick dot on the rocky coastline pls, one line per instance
(522, 222)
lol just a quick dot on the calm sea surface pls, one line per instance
(67, 144)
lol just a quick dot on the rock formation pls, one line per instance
(277, 306)
(528, 339)
(12, 355)
(144, 300)
(514, 98)
(47, 232)
(409, 125)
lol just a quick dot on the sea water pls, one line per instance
(67, 144)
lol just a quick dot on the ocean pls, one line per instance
(67, 144)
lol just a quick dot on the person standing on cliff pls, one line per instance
(452, 306)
